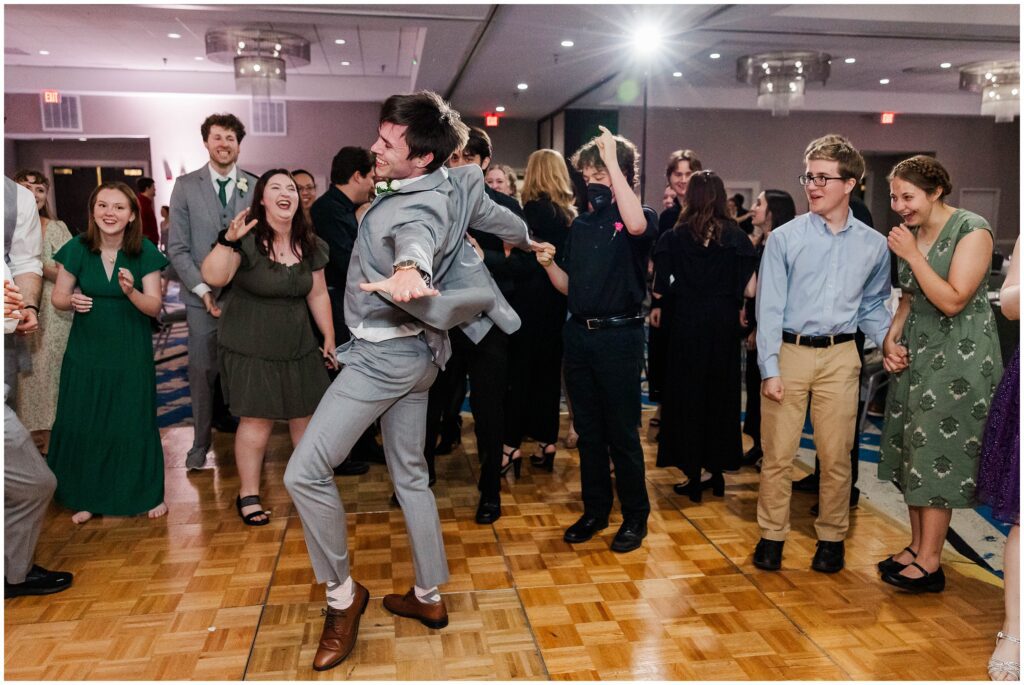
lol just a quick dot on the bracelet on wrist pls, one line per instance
(222, 239)
(31, 306)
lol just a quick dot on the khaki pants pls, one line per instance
(831, 377)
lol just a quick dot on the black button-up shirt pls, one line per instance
(334, 220)
(606, 265)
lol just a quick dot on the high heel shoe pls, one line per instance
(545, 460)
(692, 488)
(717, 484)
(514, 462)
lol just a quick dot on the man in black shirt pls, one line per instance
(603, 273)
(334, 220)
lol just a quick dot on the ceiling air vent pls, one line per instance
(61, 116)
(269, 118)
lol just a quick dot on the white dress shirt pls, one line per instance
(27, 242)
(201, 289)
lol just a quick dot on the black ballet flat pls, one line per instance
(929, 582)
(890, 565)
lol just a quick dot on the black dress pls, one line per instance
(701, 396)
(657, 338)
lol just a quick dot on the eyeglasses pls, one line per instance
(309, 188)
(819, 181)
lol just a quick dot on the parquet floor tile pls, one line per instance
(198, 596)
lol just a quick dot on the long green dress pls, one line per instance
(936, 409)
(105, 447)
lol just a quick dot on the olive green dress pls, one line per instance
(271, 366)
(936, 409)
(105, 447)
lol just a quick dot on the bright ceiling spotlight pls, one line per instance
(522, 86)
(715, 55)
(499, 108)
(646, 40)
(567, 43)
(850, 60)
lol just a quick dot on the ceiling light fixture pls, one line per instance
(850, 60)
(44, 52)
(884, 81)
(346, 63)
(715, 55)
(260, 56)
(646, 40)
(780, 77)
(945, 65)
(677, 74)
(339, 41)
(999, 85)
(199, 59)
(499, 108)
(522, 86)
(567, 43)
(174, 35)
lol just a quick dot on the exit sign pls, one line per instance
(51, 97)
(888, 117)
(491, 120)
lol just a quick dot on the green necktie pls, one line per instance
(222, 193)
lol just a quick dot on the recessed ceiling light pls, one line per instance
(174, 35)
(499, 108)
(199, 59)
(345, 63)
(44, 52)
(945, 65)
(339, 41)
(884, 81)
(567, 43)
(83, 139)
(714, 55)
(522, 86)
(677, 74)
(850, 60)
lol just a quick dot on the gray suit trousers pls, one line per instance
(202, 373)
(389, 380)
(28, 487)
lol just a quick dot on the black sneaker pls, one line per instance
(38, 581)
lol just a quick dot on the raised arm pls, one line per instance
(630, 208)
(220, 265)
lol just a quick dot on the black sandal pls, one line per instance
(515, 463)
(545, 460)
(249, 519)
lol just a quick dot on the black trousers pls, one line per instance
(602, 376)
(752, 379)
(534, 386)
(486, 363)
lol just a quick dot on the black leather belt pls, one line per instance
(817, 340)
(609, 321)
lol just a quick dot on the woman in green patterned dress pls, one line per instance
(944, 352)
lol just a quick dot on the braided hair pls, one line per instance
(925, 173)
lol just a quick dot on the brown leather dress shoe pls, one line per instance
(407, 605)
(340, 629)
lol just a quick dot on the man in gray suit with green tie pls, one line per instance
(412, 277)
(202, 203)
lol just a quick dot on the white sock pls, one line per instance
(341, 595)
(431, 596)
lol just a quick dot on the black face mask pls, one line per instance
(599, 196)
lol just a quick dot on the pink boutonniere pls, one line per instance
(618, 227)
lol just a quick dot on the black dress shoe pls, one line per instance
(584, 529)
(751, 456)
(890, 565)
(631, 534)
(351, 467)
(38, 581)
(929, 582)
(854, 501)
(829, 557)
(806, 484)
(768, 555)
(488, 512)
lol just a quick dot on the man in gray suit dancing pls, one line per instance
(202, 203)
(411, 238)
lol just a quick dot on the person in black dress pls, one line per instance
(706, 263)
(535, 353)
(682, 164)
(772, 208)
(605, 264)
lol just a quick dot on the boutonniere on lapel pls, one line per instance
(243, 186)
(390, 185)
(618, 229)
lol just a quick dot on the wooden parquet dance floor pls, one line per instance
(197, 595)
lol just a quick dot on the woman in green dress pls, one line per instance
(105, 446)
(944, 352)
(271, 367)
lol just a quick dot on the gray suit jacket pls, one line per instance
(427, 223)
(196, 219)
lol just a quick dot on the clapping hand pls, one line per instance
(902, 242)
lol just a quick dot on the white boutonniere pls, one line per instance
(389, 186)
(243, 185)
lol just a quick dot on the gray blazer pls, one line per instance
(196, 219)
(427, 223)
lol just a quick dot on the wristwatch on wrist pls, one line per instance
(411, 264)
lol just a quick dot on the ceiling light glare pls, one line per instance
(677, 74)
(945, 65)
(884, 81)
(499, 108)
(339, 41)
(567, 43)
(715, 55)
(850, 60)
(522, 86)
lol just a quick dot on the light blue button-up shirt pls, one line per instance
(815, 282)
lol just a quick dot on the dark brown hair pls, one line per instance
(36, 178)
(625, 155)
(682, 156)
(131, 243)
(704, 214)
(228, 121)
(433, 127)
(924, 172)
(302, 242)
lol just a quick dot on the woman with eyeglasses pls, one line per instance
(706, 263)
(943, 352)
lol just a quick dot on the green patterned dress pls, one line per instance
(936, 409)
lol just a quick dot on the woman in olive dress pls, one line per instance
(271, 367)
(105, 446)
(944, 351)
